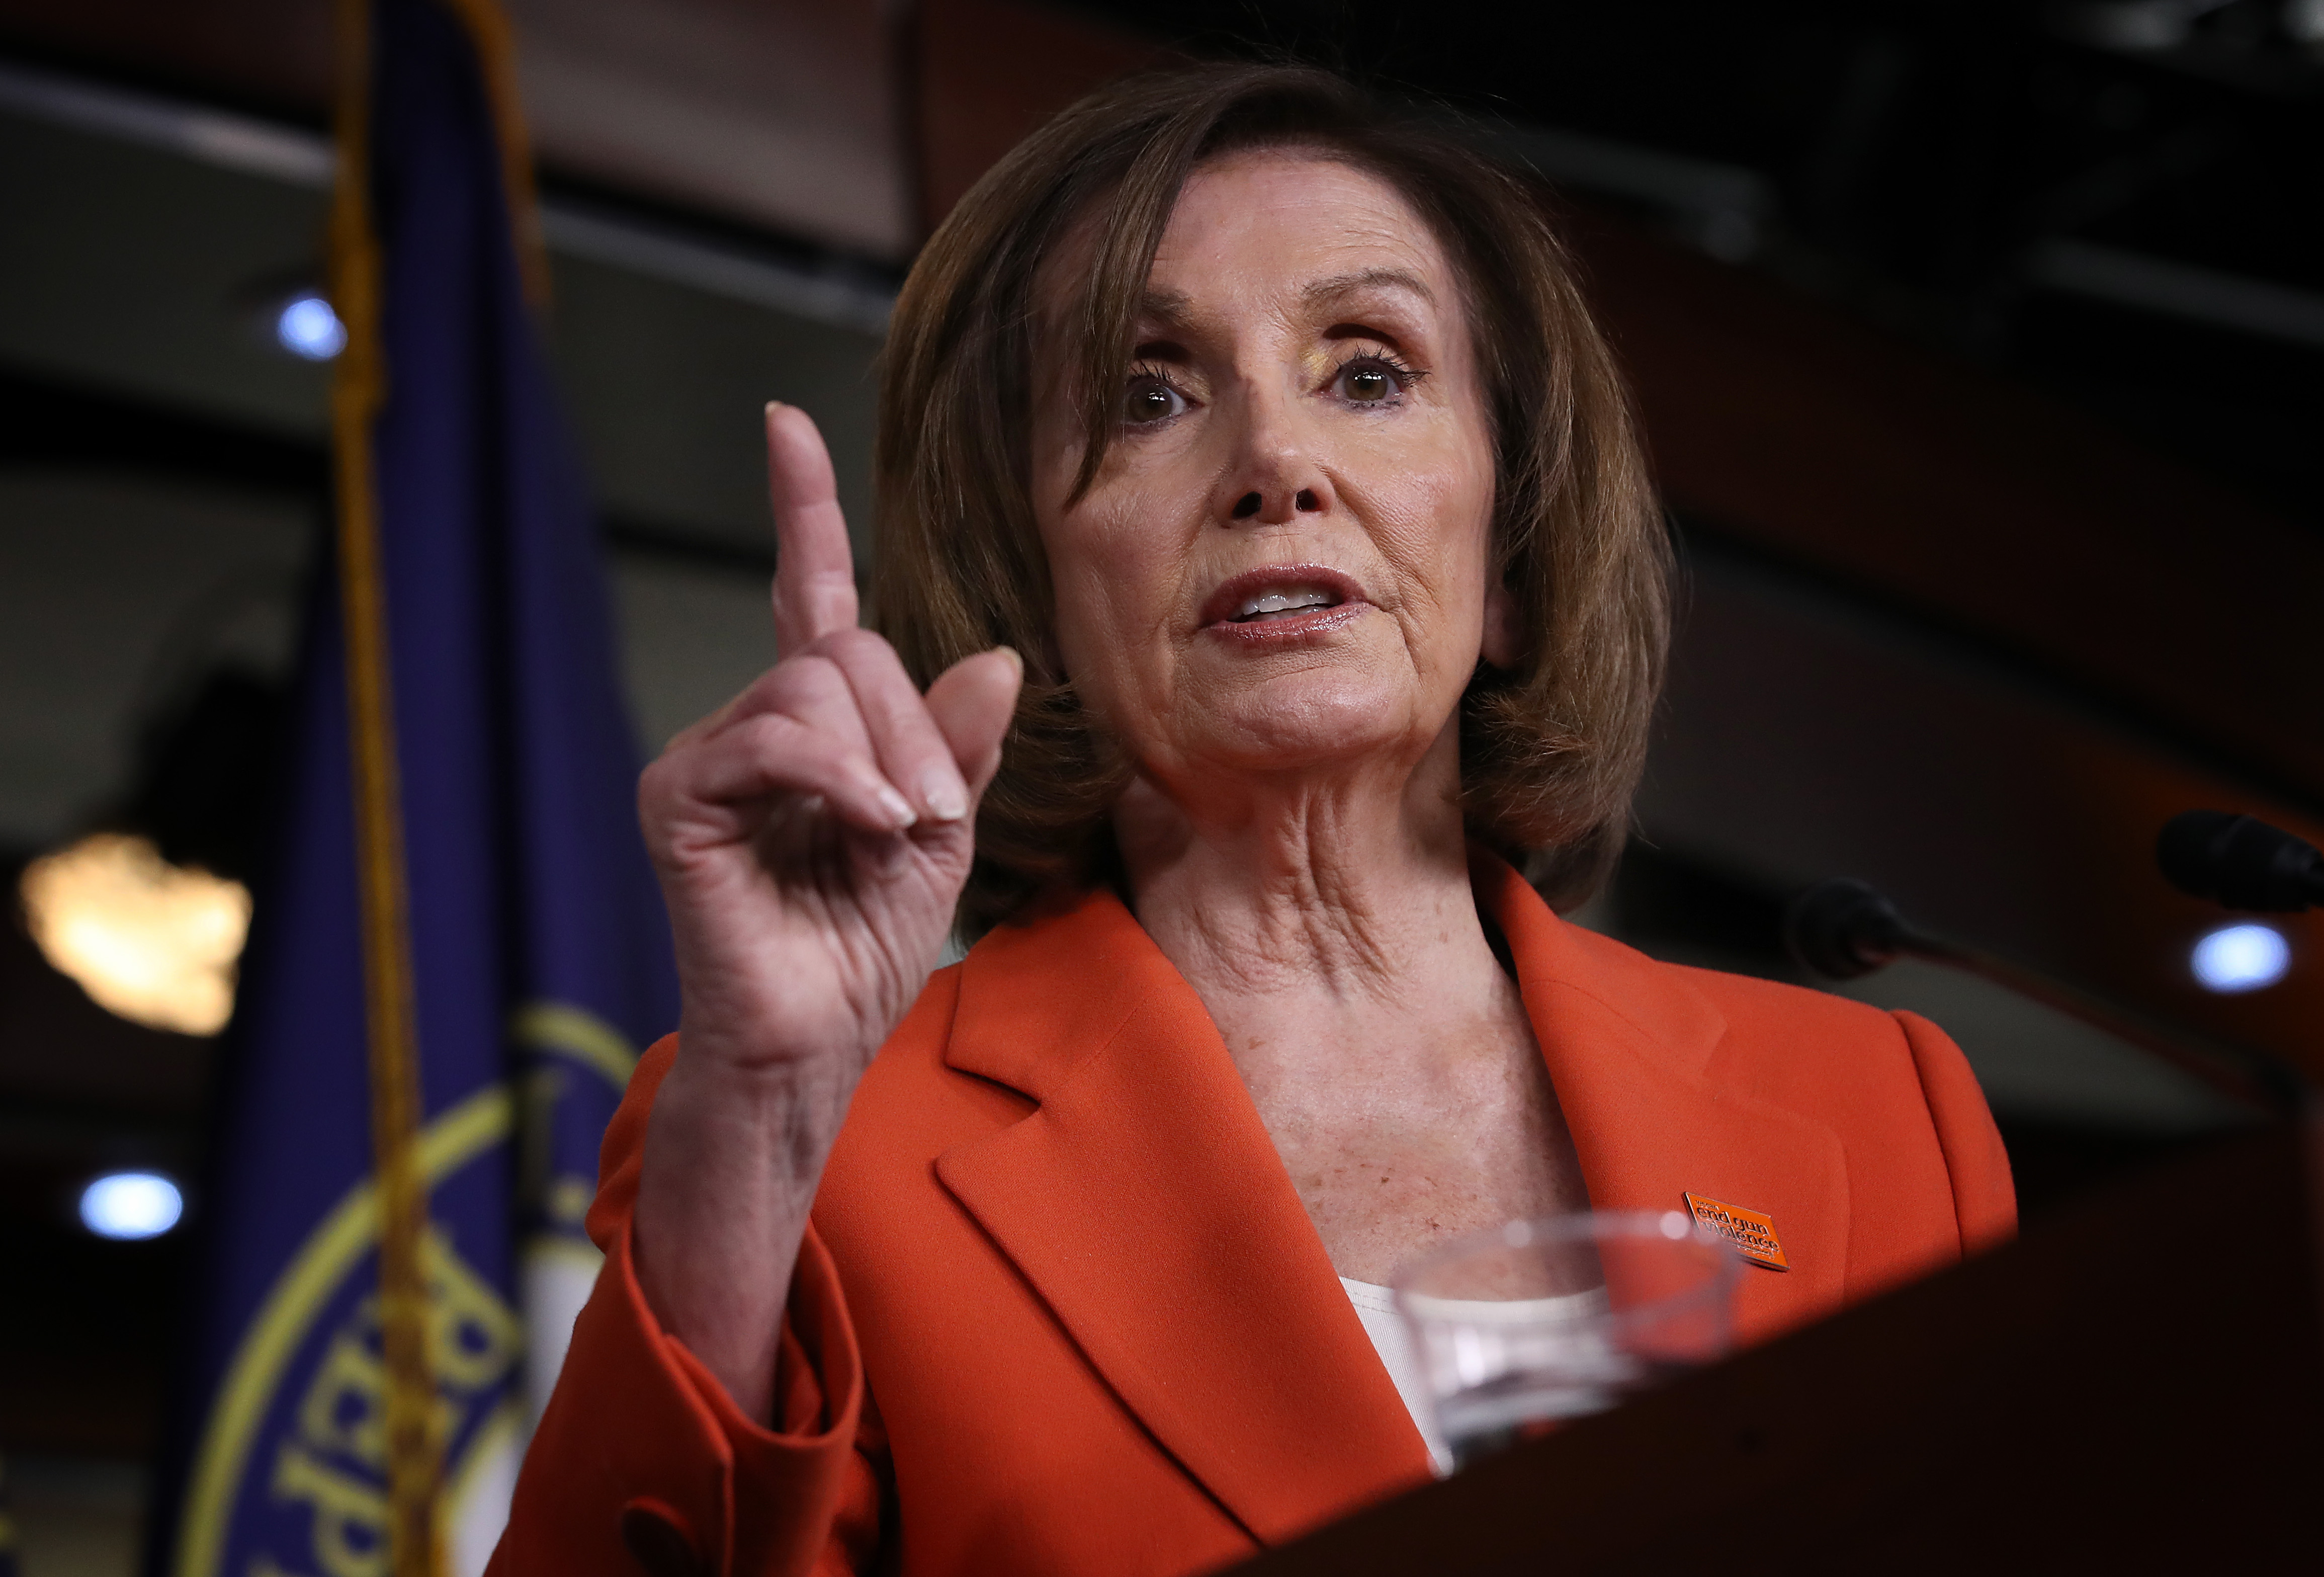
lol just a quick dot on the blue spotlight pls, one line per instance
(307, 328)
(129, 1205)
(2242, 958)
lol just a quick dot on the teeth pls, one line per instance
(1282, 602)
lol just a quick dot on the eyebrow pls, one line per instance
(1175, 308)
(1347, 284)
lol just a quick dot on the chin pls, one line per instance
(1310, 721)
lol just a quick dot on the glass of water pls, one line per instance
(1521, 1327)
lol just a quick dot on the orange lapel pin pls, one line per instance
(1753, 1234)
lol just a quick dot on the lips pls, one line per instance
(1282, 605)
(1281, 598)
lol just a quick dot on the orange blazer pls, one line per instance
(1060, 1311)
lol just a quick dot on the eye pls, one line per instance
(1148, 399)
(1373, 379)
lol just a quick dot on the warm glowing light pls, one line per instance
(131, 1206)
(2242, 958)
(153, 942)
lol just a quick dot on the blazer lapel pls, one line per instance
(1630, 1043)
(1146, 1204)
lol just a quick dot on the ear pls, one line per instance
(1504, 627)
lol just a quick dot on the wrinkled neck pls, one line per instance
(1349, 885)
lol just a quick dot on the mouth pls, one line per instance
(1282, 600)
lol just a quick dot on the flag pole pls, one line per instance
(414, 1453)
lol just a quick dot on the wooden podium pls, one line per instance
(2136, 1384)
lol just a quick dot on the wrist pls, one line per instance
(782, 1114)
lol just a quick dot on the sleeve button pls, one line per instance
(656, 1536)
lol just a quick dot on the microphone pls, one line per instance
(2240, 862)
(1843, 930)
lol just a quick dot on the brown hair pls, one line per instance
(1552, 747)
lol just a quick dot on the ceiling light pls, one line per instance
(2242, 957)
(146, 940)
(129, 1205)
(308, 329)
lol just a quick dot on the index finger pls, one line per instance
(815, 569)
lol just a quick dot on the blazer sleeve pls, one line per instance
(1985, 1199)
(641, 1461)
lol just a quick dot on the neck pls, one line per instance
(1347, 892)
(1330, 929)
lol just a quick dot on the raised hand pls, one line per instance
(812, 837)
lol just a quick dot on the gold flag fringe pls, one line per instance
(414, 1452)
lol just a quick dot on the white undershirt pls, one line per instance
(1376, 1307)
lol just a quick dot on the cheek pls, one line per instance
(1467, 517)
(1116, 581)
(1120, 557)
(1079, 543)
(1441, 504)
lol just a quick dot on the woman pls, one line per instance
(1277, 440)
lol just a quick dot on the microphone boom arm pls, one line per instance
(1843, 928)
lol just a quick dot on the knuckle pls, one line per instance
(811, 671)
(787, 751)
(853, 650)
(766, 733)
(662, 778)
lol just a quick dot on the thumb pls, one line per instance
(972, 703)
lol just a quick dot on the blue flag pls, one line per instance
(539, 956)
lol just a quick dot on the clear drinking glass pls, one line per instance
(1517, 1328)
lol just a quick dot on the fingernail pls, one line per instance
(899, 808)
(944, 795)
(1015, 657)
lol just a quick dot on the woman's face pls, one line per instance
(1281, 567)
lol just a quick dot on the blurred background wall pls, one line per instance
(1979, 346)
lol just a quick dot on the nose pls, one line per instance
(1274, 476)
(1255, 505)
